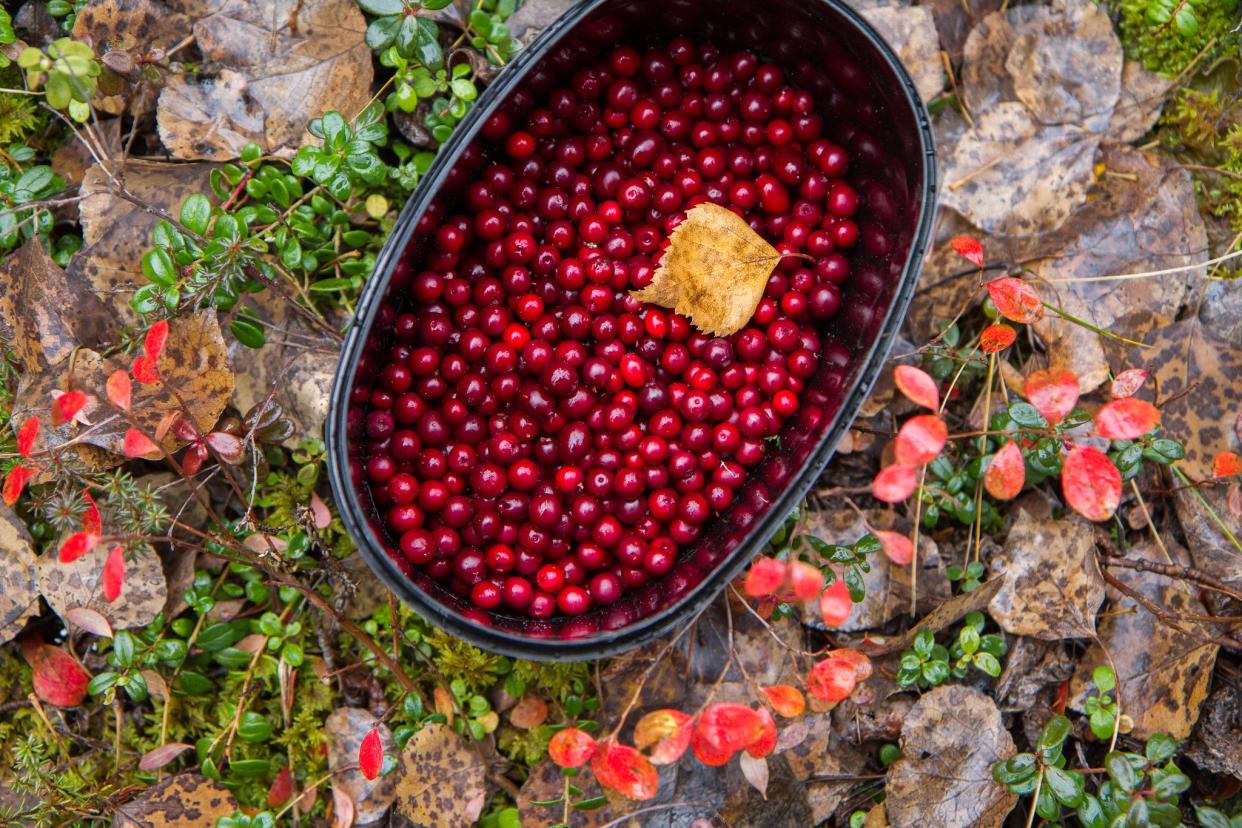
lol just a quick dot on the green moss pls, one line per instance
(1167, 48)
(525, 746)
(555, 681)
(459, 660)
(1204, 127)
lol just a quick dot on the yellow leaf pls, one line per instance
(714, 271)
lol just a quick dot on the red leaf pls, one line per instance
(727, 727)
(897, 547)
(144, 370)
(319, 511)
(153, 342)
(1006, 473)
(920, 439)
(708, 754)
(1015, 300)
(185, 430)
(114, 574)
(969, 249)
(765, 577)
(1128, 382)
(1053, 392)
(26, 437)
(835, 605)
(996, 337)
(138, 444)
(92, 520)
(67, 405)
(90, 620)
(166, 422)
(224, 444)
(120, 389)
(193, 458)
(862, 664)
(282, 788)
(625, 770)
(806, 580)
(571, 748)
(1126, 419)
(766, 743)
(157, 758)
(917, 385)
(77, 545)
(1226, 464)
(832, 679)
(59, 678)
(894, 483)
(371, 754)
(787, 701)
(668, 730)
(1091, 483)
(15, 481)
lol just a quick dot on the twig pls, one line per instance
(1167, 617)
(1171, 570)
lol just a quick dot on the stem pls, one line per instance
(1084, 323)
(1203, 501)
(1039, 783)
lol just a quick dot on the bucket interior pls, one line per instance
(868, 106)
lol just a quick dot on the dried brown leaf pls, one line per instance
(443, 781)
(911, 31)
(188, 800)
(19, 594)
(45, 313)
(950, 612)
(80, 584)
(1162, 673)
(1052, 583)
(116, 232)
(290, 61)
(134, 28)
(714, 271)
(1143, 94)
(1217, 741)
(949, 742)
(345, 729)
(72, 159)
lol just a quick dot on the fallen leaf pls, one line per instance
(443, 781)
(1195, 371)
(163, 755)
(187, 800)
(281, 788)
(1042, 83)
(1216, 744)
(344, 811)
(1162, 673)
(535, 15)
(129, 29)
(755, 772)
(949, 742)
(1052, 583)
(58, 677)
(289, 62)
(80, 584)
(19, 595)
(1143, 94)
(1091, 483)
(116, 232)
(1144, 217)
(294, 368)
(949, 612)
(90, 620)
(46, 313)
(72, 159)
(714, 270)
(346, 728)
(911, 31)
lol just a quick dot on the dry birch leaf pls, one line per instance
(714, 271)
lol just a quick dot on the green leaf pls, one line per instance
(331, 285)
(427, 43)
(102, 682)
(1104, 679)
(1025, 414)
(158, 267)
(1066, 786)
(968, 640)
(1046, 804)
(924, 641)
(1055, 732)
(196, 213)
(123, 648)
(1211, 818)
(1170, 785)
(194, 684)
(1121, 771)
(250, 768)
(378, 7)
(247, 331)
(935, 672)
(1091, 813)
(988, 663)
(1015, 769)
(253, 727)
(1160, 748)
(1186, 21)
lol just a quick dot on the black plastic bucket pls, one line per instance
(825, 48)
